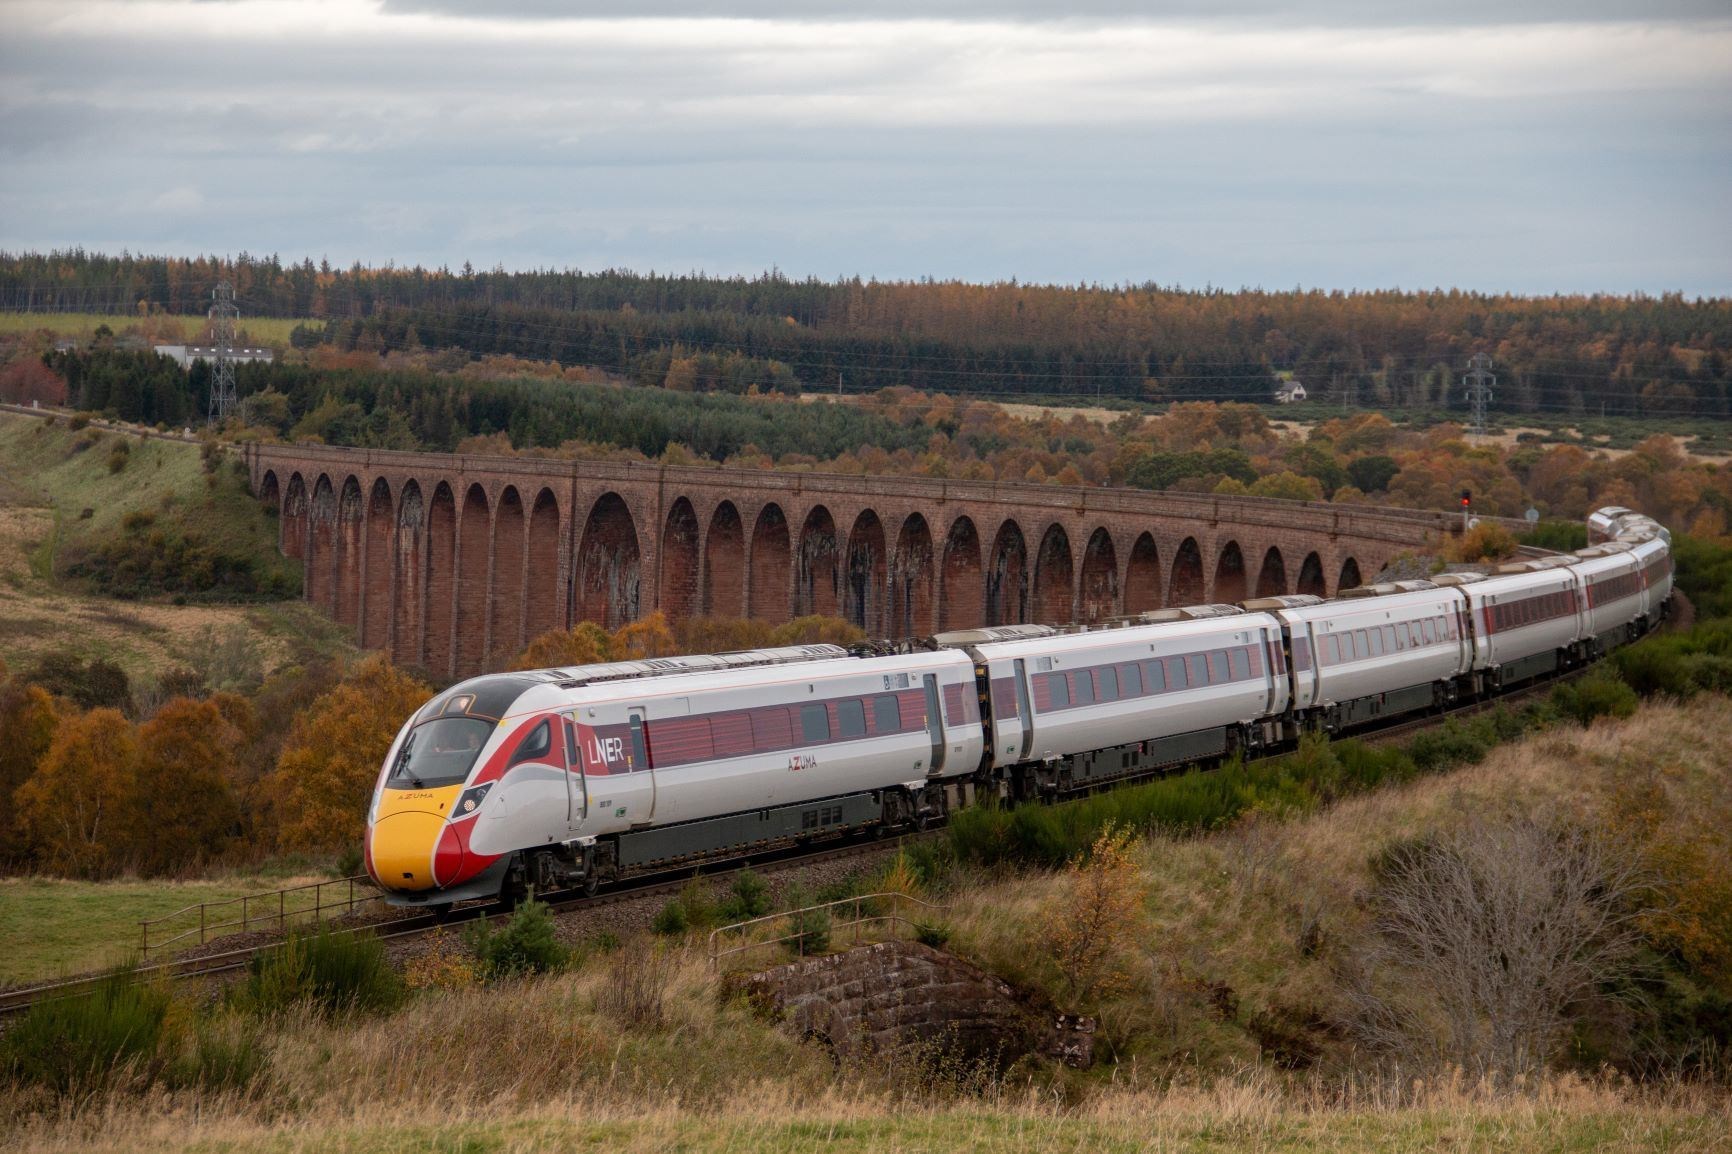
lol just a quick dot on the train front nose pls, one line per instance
(404, 841)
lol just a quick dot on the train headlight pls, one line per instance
(471, 800)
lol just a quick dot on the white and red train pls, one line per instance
(579, 776)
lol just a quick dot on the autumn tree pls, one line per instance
(186, 812)
(28, 721)
(817, 630)
(1100, 907)
(335, 748)
(585, 644)
(76, 809)
(646, 637)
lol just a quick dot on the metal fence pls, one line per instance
(863, 910)
(271, 910)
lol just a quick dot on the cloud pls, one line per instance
(1533, 146)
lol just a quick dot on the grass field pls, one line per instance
(54, 928)
(44, 487)
(1157, 1122)
(169, 329)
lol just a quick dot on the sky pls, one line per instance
(1529, 146)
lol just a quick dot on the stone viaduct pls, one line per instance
(453, 563)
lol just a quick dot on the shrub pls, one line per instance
(349, 863)
(748, 898)
(1486, 541)
(526, 945)
(118, 455)
(809, 931)
(932, 934)
(671, 919)
(95, 685)
(332, 972)
(90, 1040)
(224, 1053)
(78, 421)
(637, 984)
(1598, 694)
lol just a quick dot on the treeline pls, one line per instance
(1564, 354)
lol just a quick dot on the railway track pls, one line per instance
(21, 998)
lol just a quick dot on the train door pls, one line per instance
(934, 724)
(576, 782)
(641, 760)
(1024, 710)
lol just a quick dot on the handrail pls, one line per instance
(858, 920)
(320, 908)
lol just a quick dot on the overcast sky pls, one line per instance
(1524, 145)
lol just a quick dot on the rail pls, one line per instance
(270, 910)
(860, 918)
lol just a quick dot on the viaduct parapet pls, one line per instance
(453, 563)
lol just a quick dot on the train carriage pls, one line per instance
(1377, 651)
(1525, 620)
(1612, 601)
(1073, 707)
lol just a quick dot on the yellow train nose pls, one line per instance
(403, 849)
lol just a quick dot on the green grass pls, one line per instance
(163, 480)
(55, 928)
(263, 330)
(981, 1128)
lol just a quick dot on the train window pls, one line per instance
(851, 717)
(1374, 639)
(1238, 664)
(731, 734)
(1109, 682)
(539, 741)
(1177, 678)
(1389, 639)
(886, 714)
(1058, 690)
(814, 723)
(1326, 650)
(1157, 677)
(1131, 678)
(1196, 670)
(770, 729)
(1428, 630)
(1085, 687)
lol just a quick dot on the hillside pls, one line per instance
(141, 564)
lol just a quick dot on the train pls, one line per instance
(578, 777)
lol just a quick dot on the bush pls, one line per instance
(671, 919)
(332, 972)
(87, 1041)
(637, 984)
(118, 455)
(931, 934)
(97, 685)
(225, 1053)
(809, 930)
(527, 944)
(748, 898)
(78, 421)
(1598, 694)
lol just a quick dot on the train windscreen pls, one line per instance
(439, 752)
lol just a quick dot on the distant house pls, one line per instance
(185, 355)
(1289, 391)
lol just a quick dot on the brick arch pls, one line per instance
(817, 578)
(960, 585)
(1186, 585)
(724, 564)
(505, 631)
(1229, 584)
(1098, 586)
(351, 517)
(865, 579)
(269, 491)
(678, 596)
(1007, 577)
(772, 566)
(911, 579)
(441, 579)
(1272, 577)
(1311, 578)
(409, 584)
(1143, 576)
(474, 564)
(376, 566)
(1350, 578)
(322, 545)
(608, 585)
(292, 523)
(546, 585)
(1054, 577)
